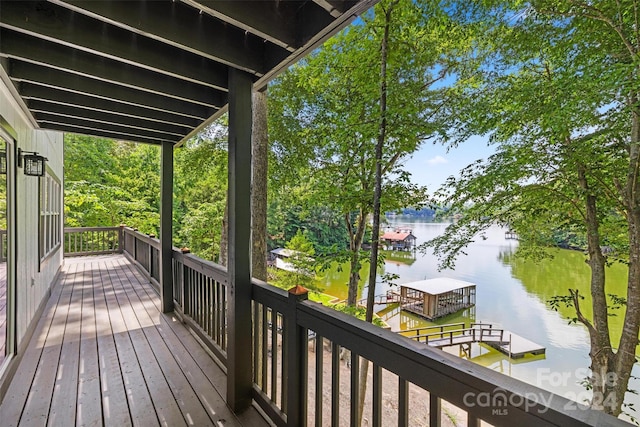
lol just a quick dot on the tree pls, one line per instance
(259, 175)
(325, 119)
(200, 191)
(109, 182)
(302, 264)
(555, 85)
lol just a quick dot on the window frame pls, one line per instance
(49, 214)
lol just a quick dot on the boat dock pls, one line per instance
(506, 342)
(517, 346)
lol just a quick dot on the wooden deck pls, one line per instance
(518, 346)
(103, 354)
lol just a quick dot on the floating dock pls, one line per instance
(506, 342)
(517, 346)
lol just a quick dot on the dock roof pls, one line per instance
(396, 235)
(438, 285)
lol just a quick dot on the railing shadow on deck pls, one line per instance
(292, 337)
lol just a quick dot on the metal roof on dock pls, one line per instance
(438, 285)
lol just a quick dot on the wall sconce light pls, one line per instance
(33, 162)
(3, 162)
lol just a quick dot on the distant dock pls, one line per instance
(517, 346)
(506, 342)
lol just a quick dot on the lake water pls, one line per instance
(512, 293)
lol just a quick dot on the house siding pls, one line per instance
(33, 278)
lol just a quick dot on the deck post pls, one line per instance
(166, 228)
(239, 343)
(296, 339)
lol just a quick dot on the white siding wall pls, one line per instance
(32, 285)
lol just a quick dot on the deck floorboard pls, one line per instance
(104, 355)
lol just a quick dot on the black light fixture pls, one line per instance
(33, 162)
(3, 162)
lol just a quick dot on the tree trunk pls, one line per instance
(601, 352)
(224, 236)
(355, 244)
(377, 194)
(260, 151)
(625, 356)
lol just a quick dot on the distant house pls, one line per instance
(280, 258)
(398, 240)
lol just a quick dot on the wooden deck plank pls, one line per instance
(89, 408)
(36, 410)
(518, 347)
(113, 396)
(16, 396)
(141, 406)
(206, 363)
(159, 389)
(63, 401)
(187, 400)
(203, 391)
(133, 365)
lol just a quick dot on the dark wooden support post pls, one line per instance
(295, 361)
(435, 410)
(239, 354)
(166, 228)
(121, 242)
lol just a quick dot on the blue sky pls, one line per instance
(432, 164)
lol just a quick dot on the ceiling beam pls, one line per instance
(53, 23)
(274, 21)
(106, 127)
(44, 109)
(111, 108)
(118, 136)
(335, 7)
(41, 76)
(288, 23)
(183, 27)
(27, 48)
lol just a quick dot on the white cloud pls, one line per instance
(437, 160)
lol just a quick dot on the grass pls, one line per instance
(316, 295)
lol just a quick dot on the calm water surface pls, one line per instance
(513, 294)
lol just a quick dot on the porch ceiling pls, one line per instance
(152, 71)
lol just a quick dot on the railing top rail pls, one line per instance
(423, 328)
(483, 325)
(153, 241)
(451, 378)
(269, 295)
(208, 268)
(81, 229)
(467, 331)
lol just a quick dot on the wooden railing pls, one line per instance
(80, 241)
(453, 333)
(144, 250)
(302, 349)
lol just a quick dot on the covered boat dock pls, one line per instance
(434, 298)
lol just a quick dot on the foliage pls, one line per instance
(554, 84)
(325, 115)
(356, 311)
(302, 264)
(200, 191)
(109, 183)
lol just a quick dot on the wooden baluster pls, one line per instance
(403, 402)
(377, 396)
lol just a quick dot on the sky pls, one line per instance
(431, 165)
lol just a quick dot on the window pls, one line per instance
(50, 207)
